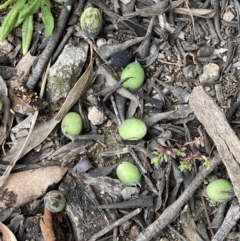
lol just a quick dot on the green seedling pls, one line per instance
(132, 129)
(206, 162)
(11, 18)
(27, 32)
(21, 12)
(47, 18)
(134, 73)
(128, 173)
(220, 190)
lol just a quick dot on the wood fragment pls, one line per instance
(217, 127)
(46, 226)
(115, 224)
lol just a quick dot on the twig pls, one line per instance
(52, 43)
(115, 224)
(46, 226)
(229, 222)
(172, 211)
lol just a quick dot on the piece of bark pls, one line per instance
(216, 125)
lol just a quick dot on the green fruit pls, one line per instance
(135, 72)
(71, 125)
(128, 173)
(91, 22)
(132, 129)
(220, 190)
(55, 201)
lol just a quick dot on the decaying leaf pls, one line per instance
(201, 13)
(23, 187)
(188, 224)
(7, 234)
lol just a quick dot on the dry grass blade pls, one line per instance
(201, 13)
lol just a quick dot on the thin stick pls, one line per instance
(115, 224)
(52, 43)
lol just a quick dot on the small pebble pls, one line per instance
(210, 74)
(96, 116)
(121, 59)
(190, 72)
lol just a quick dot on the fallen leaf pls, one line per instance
(23, 187)
(202, 13)
(7, 234)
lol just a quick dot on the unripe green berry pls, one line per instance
(220, 190)
(55, 201)
(128, 173)
(135, 72)
(132, 129)
(91, 22)
(71, 125)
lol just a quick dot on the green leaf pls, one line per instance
(27, 33)
(7, 3)
(47, 18)
(30, 8)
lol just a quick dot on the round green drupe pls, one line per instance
(132, 129)
(128, 173)
(71, 125)
(55, 201)
(220, 190)
(91, 22)
(135, 72)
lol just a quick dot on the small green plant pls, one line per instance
(22, 13)
(206, 162)
(179, 152)
(184, 165)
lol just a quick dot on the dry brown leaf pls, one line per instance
(7, 234)
(19, 105)
(201, 13)
(188, 224)
(23, 187)
(25, 64)
(46, 226)
(174, 4)
(41, 132)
